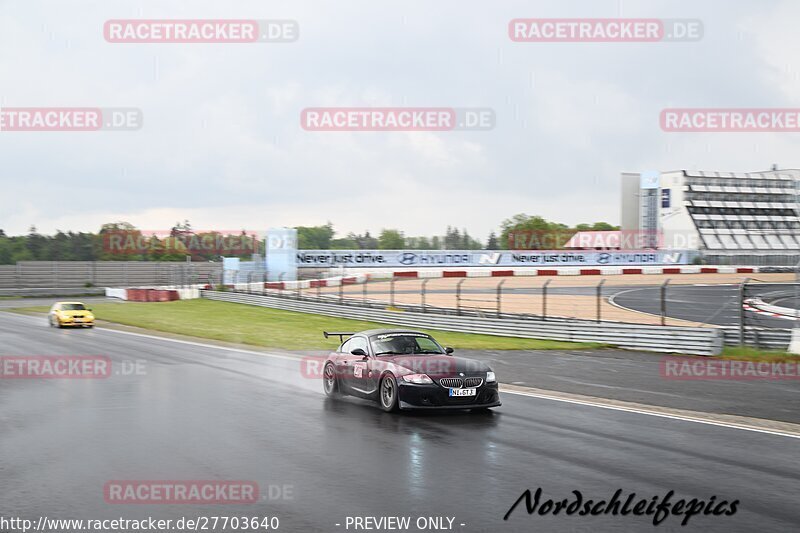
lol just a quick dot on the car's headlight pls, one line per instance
(490, 377)
(419, 379)
(90, 316)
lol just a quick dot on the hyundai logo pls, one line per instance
(603, 258)
(408, 258)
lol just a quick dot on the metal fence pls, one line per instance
(700, 341)
(65, 274)
(786, 260)
(744, 312)
(603, 300)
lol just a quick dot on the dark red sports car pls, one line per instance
(402, 369)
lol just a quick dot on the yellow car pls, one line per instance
(70, 314)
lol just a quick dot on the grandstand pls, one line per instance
(728, 217)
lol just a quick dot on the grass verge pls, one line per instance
(274, 328)
(749, 353)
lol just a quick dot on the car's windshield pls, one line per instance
(404, 344)
(73, 307)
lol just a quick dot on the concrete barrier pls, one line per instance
(155, 294)
(114, 292)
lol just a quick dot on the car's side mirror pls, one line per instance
(359, 351)
(448, 350)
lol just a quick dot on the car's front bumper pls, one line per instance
(83, 322)
(434, 396)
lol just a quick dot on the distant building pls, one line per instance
(720, 214)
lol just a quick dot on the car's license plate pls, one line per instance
(462, 392)
(78, 320)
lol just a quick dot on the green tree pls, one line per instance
(533, 232)
(367, 241)
(346, 243)
(418, 243)
(491, 243)
(468, 243)
(391, 239)
(120, 241)
(179, 229)
(314, 237)
(604, 226)
(452, 239)
(36, 244)
(6, 251)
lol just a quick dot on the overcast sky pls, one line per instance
(222, 144)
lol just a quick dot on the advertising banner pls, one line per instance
(489, 258)
(281, 248)
(230, 269)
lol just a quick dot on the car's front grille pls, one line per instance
(473, 382)
(451, 383)
(457, 383)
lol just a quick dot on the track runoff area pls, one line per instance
(693, 295)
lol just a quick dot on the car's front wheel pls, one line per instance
(329, 381)
(389, 393)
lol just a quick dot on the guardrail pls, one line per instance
(689, 340)
(777, 339)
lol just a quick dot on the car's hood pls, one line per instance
(436, 365)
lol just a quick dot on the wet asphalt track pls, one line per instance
(707, 304)
(202, 412)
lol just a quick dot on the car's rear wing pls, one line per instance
(340, 334)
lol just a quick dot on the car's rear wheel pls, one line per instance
(389, 393)
(329, 381)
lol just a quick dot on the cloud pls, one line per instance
(222, 144)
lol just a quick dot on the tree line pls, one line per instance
(324, 238)
(121, 241)
(540, 233)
